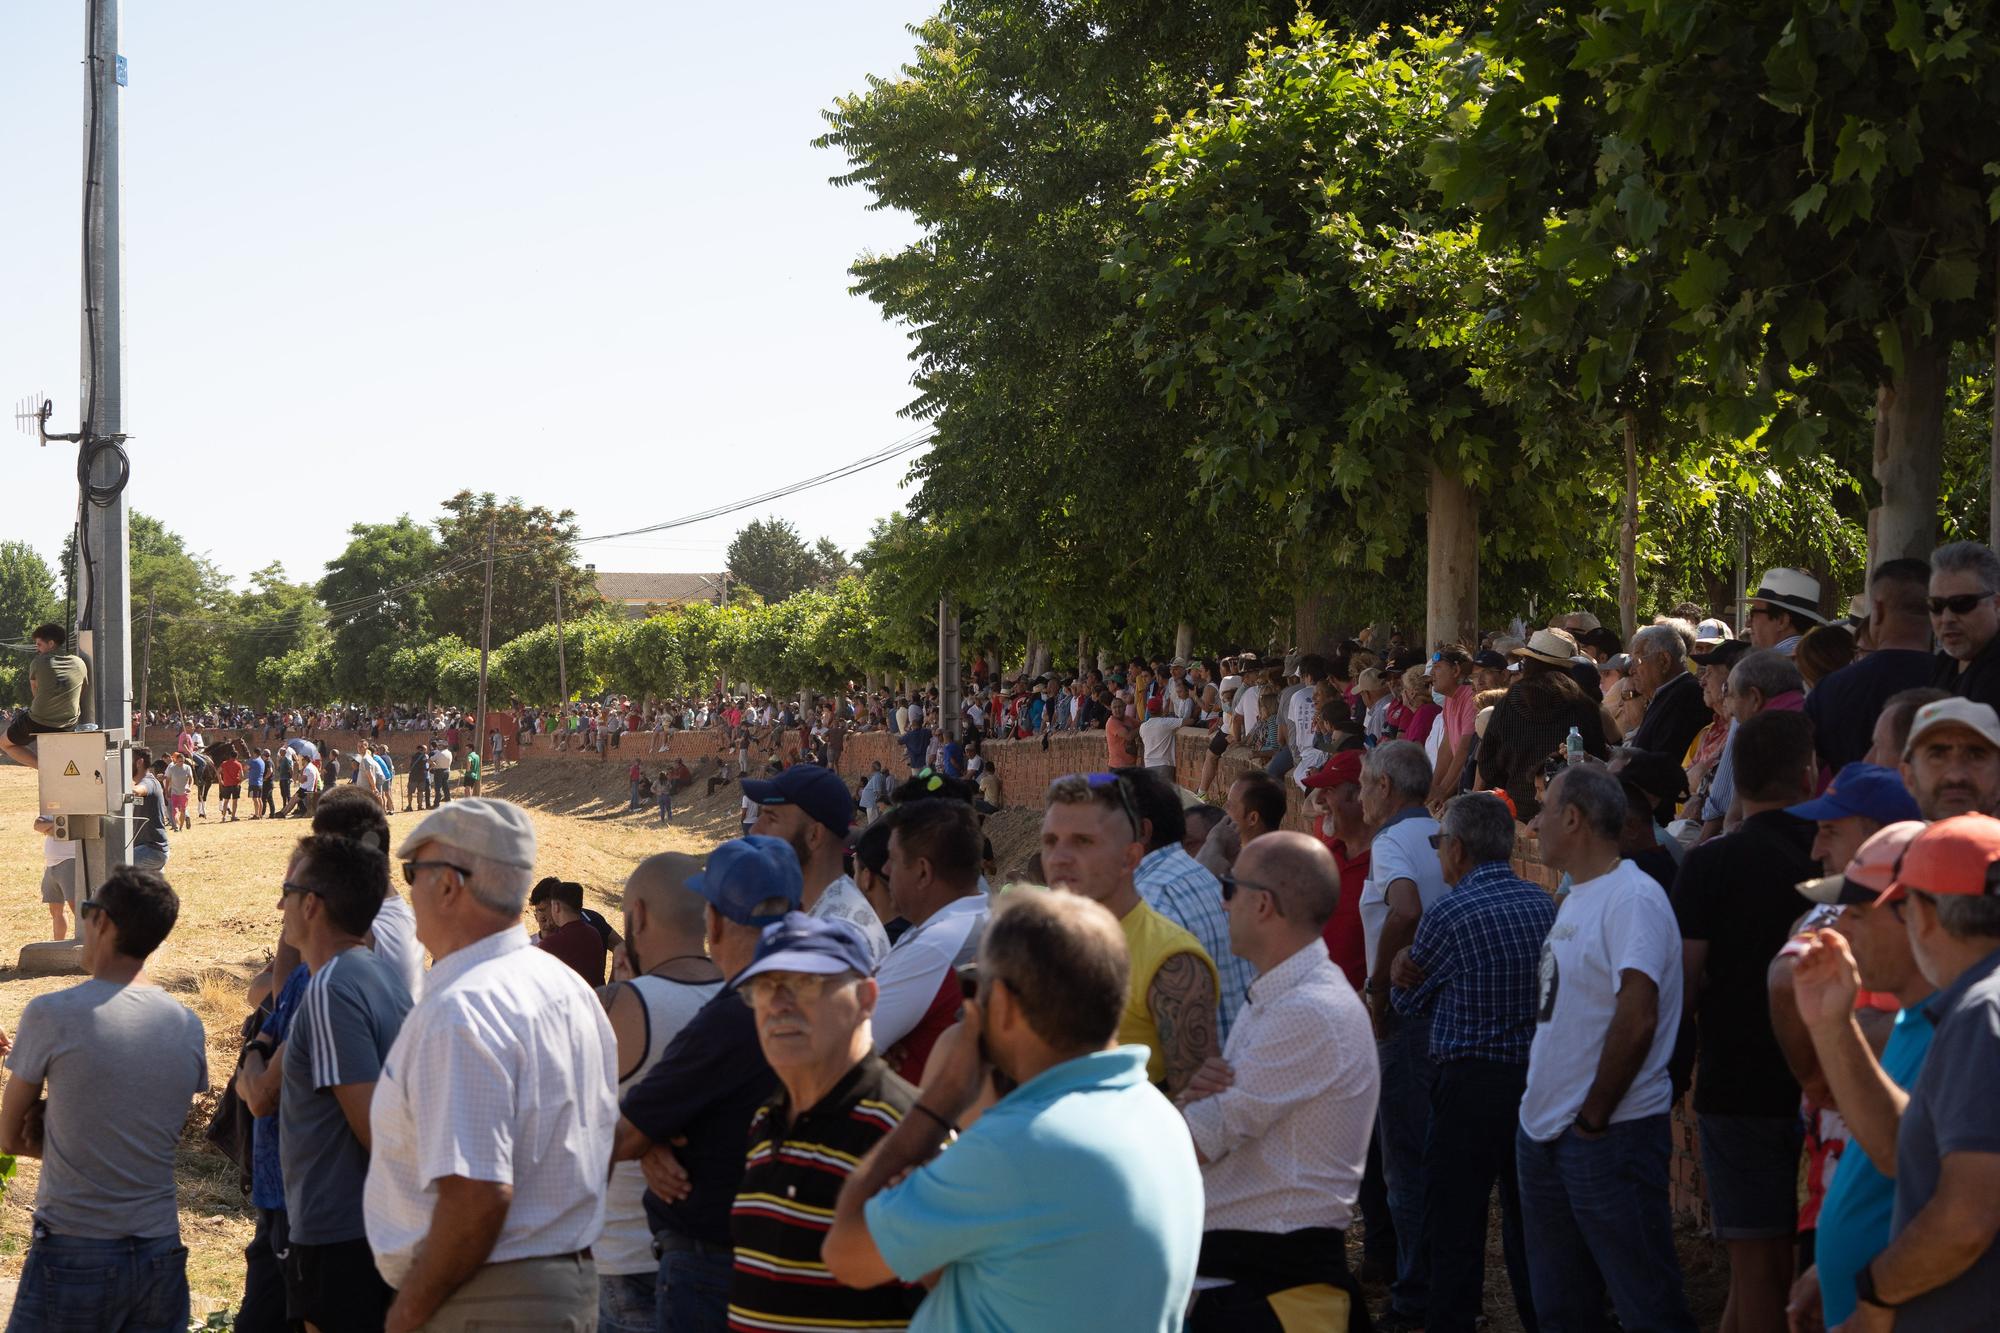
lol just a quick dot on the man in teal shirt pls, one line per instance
(1075, 1200)
(1854, 1217)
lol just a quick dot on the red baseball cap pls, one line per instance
(1960, 855)
(1343, 767)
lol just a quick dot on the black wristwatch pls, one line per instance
(1864, 1288)
(264, 1043)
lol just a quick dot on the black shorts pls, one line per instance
(23, 728)
(1218, 742)
(335, 1287)
(231, 791)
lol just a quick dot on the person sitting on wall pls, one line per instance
(57, 679)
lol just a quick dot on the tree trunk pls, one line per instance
(1038, 657)
(1628, 536)
(1909, 452)
(1184, 642)
(1082, 654)
(1452, 593)
(1309, 620)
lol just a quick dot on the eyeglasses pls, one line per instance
(804, 987)
(1959, 604)
(1437, 840)
(410, 869)
(1230, 884)
(90, 907)
(286, 889)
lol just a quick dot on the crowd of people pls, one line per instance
(833, 1076)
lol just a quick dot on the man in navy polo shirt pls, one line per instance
(704, 1091)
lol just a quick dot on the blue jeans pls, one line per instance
(1475, 1114)
(694, 1291)
(1403, 1123)
(627, 1302)
(1596, 1220)
(73, 1285)
(150, 858)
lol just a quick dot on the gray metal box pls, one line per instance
(73, 767)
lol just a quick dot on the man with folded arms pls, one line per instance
(1941, 1270)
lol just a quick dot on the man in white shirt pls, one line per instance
(1593, 1147)
(933, 868)
(440, 774)
(1157, 740)
(1404, 879)
(1281, 1120)
(493, 1119)
(59, 876)
(810, 808)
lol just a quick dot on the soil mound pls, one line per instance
(589, 790)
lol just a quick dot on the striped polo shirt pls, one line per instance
(781, 1216)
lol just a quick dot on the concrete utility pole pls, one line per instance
(562, 658)
(485, 636)
(104, 578)
(948, 720)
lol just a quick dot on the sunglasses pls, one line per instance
(1230, 884)
(804, 987)
(1959, 605)
(410, 869)
(89, 907)
(286, 889)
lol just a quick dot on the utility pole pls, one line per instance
(562, 658)
(104, 568)
(485, 636)
(146, 662)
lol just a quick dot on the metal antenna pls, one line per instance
(34, 420)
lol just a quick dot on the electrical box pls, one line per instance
(70, 828)
(75, 771)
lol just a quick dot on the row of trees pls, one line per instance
(1229, 314)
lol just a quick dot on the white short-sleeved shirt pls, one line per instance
(395, 932)
(1401, 850)
(1301, 716)
(1247, 709)
(1607, 926)
(506, 1071)
(910, 976)
(1156, 736)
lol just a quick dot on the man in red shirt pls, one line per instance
(565, 932)
(1333, 794)
(230, 773)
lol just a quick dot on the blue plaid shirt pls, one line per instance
(1480, 947)
(1182, 890)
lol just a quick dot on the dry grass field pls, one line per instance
(227, 877)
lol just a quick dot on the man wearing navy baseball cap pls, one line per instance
(812, 992)
(1861, 800)
(705, 1088)
(810, 808)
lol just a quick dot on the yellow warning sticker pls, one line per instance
(70, 770)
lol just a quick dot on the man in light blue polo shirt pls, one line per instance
(1075, 1201)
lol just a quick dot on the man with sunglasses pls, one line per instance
(707, 1085)
(492, 1121)
(120, 1061)
(812, 992)
(1965, 616)
(1941, 1270)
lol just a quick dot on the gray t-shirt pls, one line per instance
(108, 1161)
(1955, 1107)
(347, 1020)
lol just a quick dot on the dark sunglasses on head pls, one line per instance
(1959, 604)
(410, 869)
(1117, 783)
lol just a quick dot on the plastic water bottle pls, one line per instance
(1573, 745)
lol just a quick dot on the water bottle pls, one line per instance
(1573, 745)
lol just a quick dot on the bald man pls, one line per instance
(672, 977)
(1281, 1119)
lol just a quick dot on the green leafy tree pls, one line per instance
(768, 556)
(274, 619)
(377, 594)
(535, 550)
(27, 599)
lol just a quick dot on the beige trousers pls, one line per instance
(547, 1295)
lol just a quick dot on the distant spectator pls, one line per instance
(810, 808)
(1964, 604)
(558, 907)
(932, 861)
(1675, 713)
(1846, 703)
(1783, 608)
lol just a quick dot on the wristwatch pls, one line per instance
(1864, 1288)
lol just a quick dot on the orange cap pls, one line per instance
(1960, 855)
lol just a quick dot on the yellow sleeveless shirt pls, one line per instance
(1150, 940)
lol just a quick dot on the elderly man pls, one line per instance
(493, 1117)
(1861, 800)
(1183, 890)
(121, 1060)
(810, 808)
(1404, 881)
(1078, 1146)
(1092, 843)
(1951, 763)
(1675, 713)
(1965, 615)
(1941, 1270)
(1759, 680)
(1844, 705)
(1891, 733)
(1735, 904)
(1474, 968)
(1782, 609)
(811, 991)
(1593, 1147)
(1868, 947)
(1281, 1121)
(707, 1085)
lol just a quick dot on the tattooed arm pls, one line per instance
(1182, 1000)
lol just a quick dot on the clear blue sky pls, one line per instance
(380, 250)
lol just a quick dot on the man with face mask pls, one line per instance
(1941, 1269)
(810, 808)
(1951, 762)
